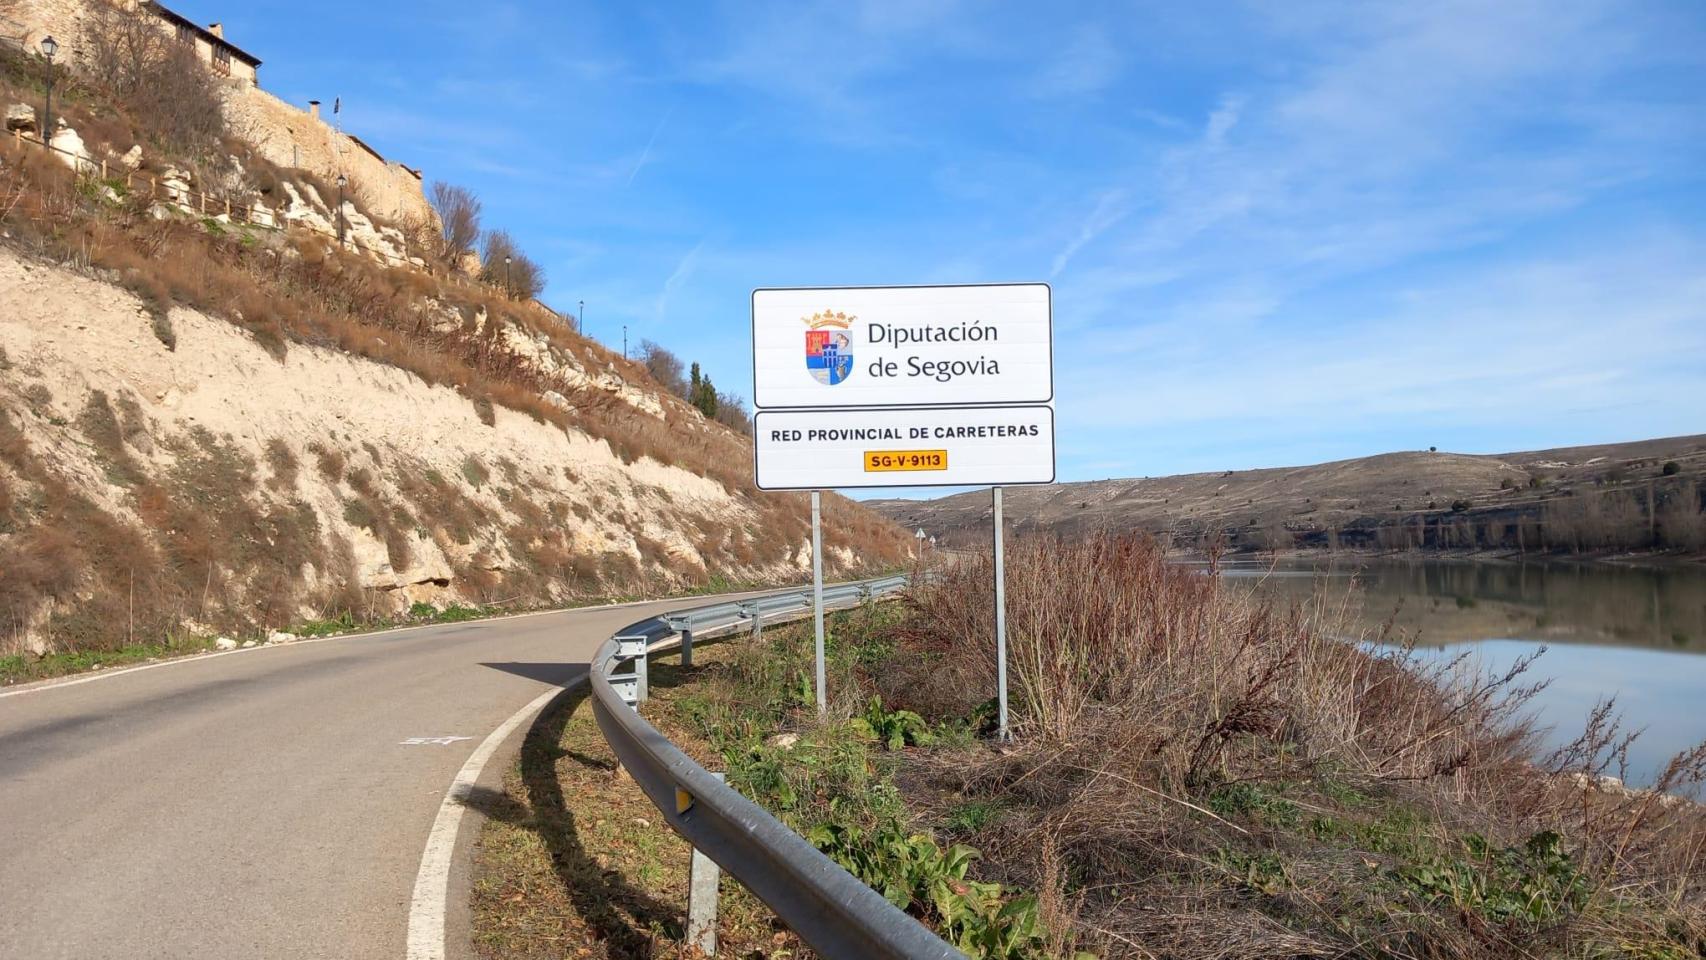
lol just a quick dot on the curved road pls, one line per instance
(267, 803)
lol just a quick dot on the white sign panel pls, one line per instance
(915, 447)
(902, 346)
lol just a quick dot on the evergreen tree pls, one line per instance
(701, 393)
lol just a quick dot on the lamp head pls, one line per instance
(49, 47)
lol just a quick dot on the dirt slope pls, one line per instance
(225, 484)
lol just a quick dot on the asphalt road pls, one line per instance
(262, 803)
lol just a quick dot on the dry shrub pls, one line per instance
(7, 499)
(283, 464)
(458, 212)
(1212, 776)
(230, 560)
(452, 517)
(153, 76)
(14, 446)
(1194, 665)
(95, 579)
(329, 461)
(101, 425)
(653, 552)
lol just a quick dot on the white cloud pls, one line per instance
(1087, 63)
(1408, 133)
(681, 274)
(1504, 345)
(646, 154)
(1110, 209)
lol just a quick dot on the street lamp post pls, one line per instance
(580, 321)
(343, 181)
(509, 289)
(49, 47)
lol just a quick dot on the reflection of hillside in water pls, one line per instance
(1445, 603)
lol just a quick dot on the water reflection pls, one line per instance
(1633, 633)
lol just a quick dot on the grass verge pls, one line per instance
(21, 668)
(26, 668)
(574, 861)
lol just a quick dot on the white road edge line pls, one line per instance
(57, 683)
(432, 884)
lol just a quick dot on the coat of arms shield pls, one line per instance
(829, 350)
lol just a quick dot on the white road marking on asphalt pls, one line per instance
(432, 883)
(436, 741)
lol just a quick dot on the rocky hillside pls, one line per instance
(1624, 496)
(214, 427)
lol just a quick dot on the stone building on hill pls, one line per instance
(222, 56)
(286, 135)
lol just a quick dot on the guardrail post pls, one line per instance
(687, 647)
(757, 621)
(643, 672)
(703, 876)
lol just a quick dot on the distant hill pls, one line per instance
(1622, 496)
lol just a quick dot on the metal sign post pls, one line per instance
(1000, 623)
(817, 596)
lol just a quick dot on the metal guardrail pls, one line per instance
(838, 916)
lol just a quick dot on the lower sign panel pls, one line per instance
(918, 447)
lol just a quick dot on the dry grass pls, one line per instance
(307, 291)
(1199, 774)
(574, 861)
(100, 581)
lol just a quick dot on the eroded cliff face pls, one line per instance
(228, 484)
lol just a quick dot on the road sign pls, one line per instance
(904, 387)
(915, 447)
(834, 347)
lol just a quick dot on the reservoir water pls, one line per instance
(1634, 633)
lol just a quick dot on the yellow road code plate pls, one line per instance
(880, 461)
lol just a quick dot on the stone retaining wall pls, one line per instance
(294, 138)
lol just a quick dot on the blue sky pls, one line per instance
(1277, 233)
